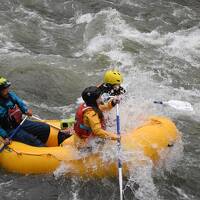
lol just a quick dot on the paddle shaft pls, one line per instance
(37, 118)
(119, 160)
(14, 133)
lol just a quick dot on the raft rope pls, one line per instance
(31, 154)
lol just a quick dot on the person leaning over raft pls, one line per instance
(90, 119)
(111, 85)
(11, 109)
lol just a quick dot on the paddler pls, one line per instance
(11, 110)
(90, 123)
(111, 85)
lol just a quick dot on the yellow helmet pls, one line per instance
(4, 83)
(113, 77)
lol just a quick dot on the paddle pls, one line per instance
(14, 133)
(37, 118)
(179, 105)
(119, 149)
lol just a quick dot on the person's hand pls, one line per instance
(6, 141)
(29, 113)
(119, 137)
(114, 136)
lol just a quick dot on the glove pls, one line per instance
(29, 113)
(117, 137)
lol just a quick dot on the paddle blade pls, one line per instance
(180, 105)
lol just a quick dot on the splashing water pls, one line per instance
(154, 43)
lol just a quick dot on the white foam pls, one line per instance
(171, 156)
(61, 170)
(56, 109)
(132, 3)
(86, 18)
(128, 2)
(142, 176)
(108, 41)
(7, 44)
(183, 12)
(74, 191)
(183, 44)
(118, 56)
(100, 44)
(7, 183)
(183, 195)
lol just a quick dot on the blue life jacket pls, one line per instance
(5, 105)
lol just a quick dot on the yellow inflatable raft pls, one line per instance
(157, 134)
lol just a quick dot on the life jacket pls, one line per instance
(13, 117)
(81, 130)
(15, 114)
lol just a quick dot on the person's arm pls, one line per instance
(106, 106)
(23, 107)
(95, 125)
(109, 105)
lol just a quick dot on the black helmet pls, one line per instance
(90, 95)
(4, 83)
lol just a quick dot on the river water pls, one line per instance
(50, 50)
